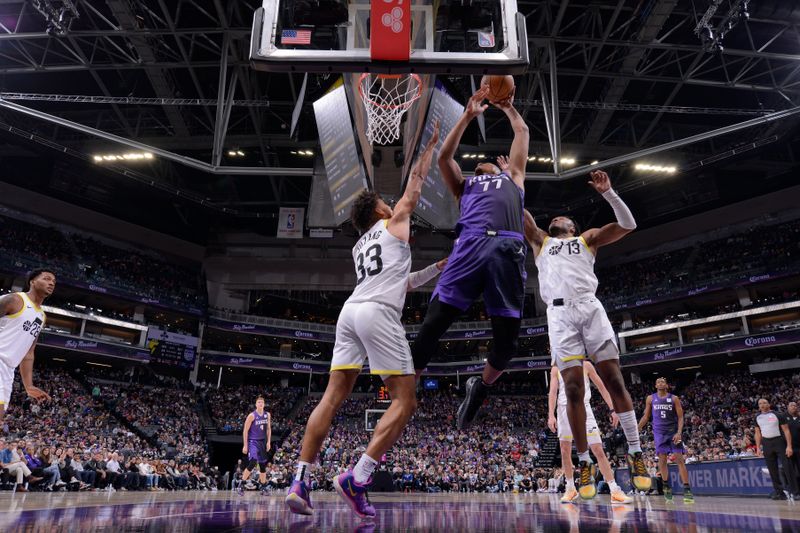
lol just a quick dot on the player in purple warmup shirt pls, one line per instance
(488, 256)
(257, 437)
(667, 430)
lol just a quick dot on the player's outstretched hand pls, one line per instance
(441, 264)
(502, 163)
(507, 102)
(37, 394)
(600, 181)
(551, 423)
(614, 420)
(475, 105)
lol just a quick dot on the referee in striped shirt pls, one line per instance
(774, 443)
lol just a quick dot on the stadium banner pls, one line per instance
(730, 345)
(171, 348)
(322, 336)
(290, 222)
(66, 342)
(272, 331)
(323, 367)
(742, 477)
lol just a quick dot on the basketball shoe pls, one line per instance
(354, 494)
(298, 500)
(570, 494)
(587, 488)
(477, 391)
(639, 477)
(618, 496)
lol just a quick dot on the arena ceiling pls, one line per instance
(630, 75)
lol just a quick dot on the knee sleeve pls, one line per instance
(252, 465)
(505, 332)
(437, 320)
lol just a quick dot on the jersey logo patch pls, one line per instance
(34, 328)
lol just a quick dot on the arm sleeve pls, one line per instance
(421, 277)
(621, 211)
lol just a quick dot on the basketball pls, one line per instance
(500, 87)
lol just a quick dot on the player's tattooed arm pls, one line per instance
(533, 233)
(451, 172)
(10, 304)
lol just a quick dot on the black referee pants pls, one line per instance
(774, 455)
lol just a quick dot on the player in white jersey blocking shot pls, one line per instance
(558, 422)
(577, 323)
(369, 328)
(21, 321)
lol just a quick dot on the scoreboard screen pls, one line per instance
(383, 395)
(171, 348)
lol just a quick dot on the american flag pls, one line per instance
(296, 37)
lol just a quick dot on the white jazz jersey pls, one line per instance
(369, 324)
(566, 269)
(18, 332)
(382, 263)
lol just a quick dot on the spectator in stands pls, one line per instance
(10, 460)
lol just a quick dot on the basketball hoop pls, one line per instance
(386, 98)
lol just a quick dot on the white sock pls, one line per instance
(303, 472)
(613, 486)
(630, 426)
(364, 468)
(570, 483)
(584, 456)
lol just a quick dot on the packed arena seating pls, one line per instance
(229, 405)
(167, 414)
(26, 246)
(73, 442)
(499, 453)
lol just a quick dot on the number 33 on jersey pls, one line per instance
(382, 263)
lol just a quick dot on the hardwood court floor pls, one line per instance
(225, 511)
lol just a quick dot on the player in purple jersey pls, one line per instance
(488, 255)
(667, 430)
(257, 438)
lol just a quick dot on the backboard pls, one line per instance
(446, 36)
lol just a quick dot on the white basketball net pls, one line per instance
(386, 99)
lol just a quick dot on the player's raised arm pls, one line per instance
(552, 398)
(518, 156)
(648, 403)
(613, 232)
(398, 224)
(451, 172)
(533, 233)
